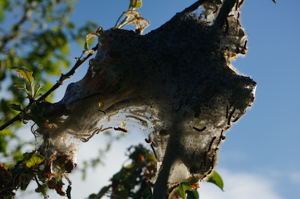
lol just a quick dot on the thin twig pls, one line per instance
(62, 78)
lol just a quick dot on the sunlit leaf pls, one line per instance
(216, 179)
(31, 159)
(24, 73)
(16, 107)
(135, 4)
(183, 187)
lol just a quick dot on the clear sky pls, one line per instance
(260, 157)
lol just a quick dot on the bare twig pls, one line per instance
(62, 78)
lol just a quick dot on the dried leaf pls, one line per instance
(90, 35)
(133, 17)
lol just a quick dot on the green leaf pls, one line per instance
(23, 86)
(184, 186)
(38, 87)
(102, 192)
(274, 1)
(192, 194)
(31, 159)
(16, 107)
(117, 175)
(216, 179)
(3, 144)
(134, 4)
(24, 73)
(27, 75)
(219, 1)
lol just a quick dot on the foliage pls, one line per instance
(216, 179)
(31, 159)
(185, 190)
(131, 180)
(37, 40)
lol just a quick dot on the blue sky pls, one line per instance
(260, 157)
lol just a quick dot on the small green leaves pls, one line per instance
(16, 107)
(25, 74)
(188, 191)
(31, 159)
(38, 87)
(216, 179)
(135, 4)
(183, 187)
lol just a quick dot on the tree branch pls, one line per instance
(62, 78)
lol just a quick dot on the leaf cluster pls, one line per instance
(132, 179)
(133, 17)
(36, 167)
(36, 40)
